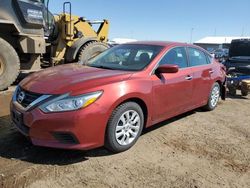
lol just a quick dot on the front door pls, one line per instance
(172, 91)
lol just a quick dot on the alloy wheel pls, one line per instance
(128, 127)
(215, 95)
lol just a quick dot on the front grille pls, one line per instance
(29, 97)
(65, 138)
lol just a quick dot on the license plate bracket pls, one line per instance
(17, 118)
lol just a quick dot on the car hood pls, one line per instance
(71, 78)
(240, 49)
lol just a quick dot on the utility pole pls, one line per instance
(242, 32)
(191, 35)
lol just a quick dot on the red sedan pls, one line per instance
(111, 98)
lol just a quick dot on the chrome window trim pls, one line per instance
(188, 60)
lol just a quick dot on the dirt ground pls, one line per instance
(197, 149)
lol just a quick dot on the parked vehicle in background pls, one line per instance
(221, 54)
(119, 93)
(238, 66)
(31, 37)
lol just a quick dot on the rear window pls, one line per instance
(197, 57)
(209, 59)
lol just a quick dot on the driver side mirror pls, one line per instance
(167, 69)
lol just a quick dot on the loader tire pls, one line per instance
(89, 50)
(9, 64)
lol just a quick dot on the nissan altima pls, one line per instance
(108, 100)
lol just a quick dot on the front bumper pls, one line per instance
(82, 129)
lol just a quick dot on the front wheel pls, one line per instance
(124, 127)
(213, 97)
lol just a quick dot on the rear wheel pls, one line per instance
(232, 91)
(90, 50)
(213, 97)
(124, 127)
(9, 64)
(244, 91)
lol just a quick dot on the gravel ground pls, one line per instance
(197, 149)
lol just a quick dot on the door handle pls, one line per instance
(211, 71)
(189, 77)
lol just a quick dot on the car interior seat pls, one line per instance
(144, 58)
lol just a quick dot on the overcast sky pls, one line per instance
(172, 20)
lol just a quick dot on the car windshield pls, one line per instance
(128, 57)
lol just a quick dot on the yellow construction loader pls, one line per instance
(31, 37)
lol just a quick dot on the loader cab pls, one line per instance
(30, 13)
(49, 21)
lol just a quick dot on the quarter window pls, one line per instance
(196, 57)
(176, 56)
(209, 59)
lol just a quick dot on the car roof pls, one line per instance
(168, 44)
(161, 43)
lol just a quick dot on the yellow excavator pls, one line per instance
(32, 37)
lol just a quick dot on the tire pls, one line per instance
(9, 64)
(214, 97)
(90, 50)
(121, 133)
(232, 91)
(244, 92)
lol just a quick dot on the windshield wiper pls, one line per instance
(102, 67)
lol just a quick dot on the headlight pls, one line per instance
(69, 103)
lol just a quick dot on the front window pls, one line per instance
(129, 57)
(176, 56)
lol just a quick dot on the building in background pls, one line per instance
(212, 43)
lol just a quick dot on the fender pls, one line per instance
(73, 50)
(140, 96)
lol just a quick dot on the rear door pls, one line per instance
(202, 75)
(172, 91)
